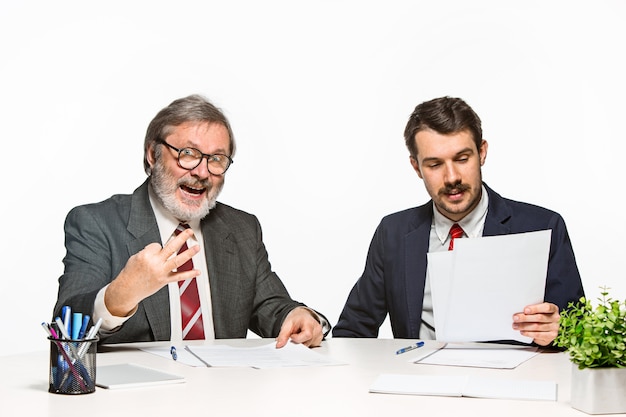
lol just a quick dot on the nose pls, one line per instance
(452, 174)
(202, 170)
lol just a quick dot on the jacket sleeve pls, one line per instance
(563, 282)
(365, 309)
(87, 262)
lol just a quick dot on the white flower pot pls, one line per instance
(599, 390)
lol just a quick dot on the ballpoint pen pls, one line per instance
(408, 348)
(66, 318)
(90, 335)
(62, 328)
(83, 327)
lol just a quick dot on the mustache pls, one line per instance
(194, 183)
(459, 187)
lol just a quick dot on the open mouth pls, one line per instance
(455, 195)
(192, 190)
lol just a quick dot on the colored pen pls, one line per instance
(77, 323)
(62, 328)
(90, 335)
(83, 326)
(408, 348)
(94, 329)
(70, 346)
(47, 329)
(66, 317)
(173, 353)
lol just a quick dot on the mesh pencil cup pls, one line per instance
(72, 366)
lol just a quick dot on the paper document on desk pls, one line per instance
(464, 386)
(477, 287)
(480, 355)
(265, 356)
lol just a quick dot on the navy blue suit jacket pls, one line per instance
(395, 271)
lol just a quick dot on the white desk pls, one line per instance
(312, 391)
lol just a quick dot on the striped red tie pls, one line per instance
(455, 232)
(191, 313)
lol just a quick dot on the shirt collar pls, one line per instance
(472, 224)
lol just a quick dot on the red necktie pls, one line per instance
(455, 232)
(191, 313)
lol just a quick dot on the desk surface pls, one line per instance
(312, 391)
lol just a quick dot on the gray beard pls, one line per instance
(160, 183)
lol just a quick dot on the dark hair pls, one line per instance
(193, 108)
(444, 115)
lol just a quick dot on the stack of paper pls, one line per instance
(265, 356)
(488, 279)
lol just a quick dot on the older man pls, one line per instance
(169, 262)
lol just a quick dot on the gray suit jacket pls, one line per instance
(245, 292)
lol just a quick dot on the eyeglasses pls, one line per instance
(190, 158)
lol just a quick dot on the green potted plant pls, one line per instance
(595, 338)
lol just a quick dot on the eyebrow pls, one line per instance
(218, 151)
(461, 152)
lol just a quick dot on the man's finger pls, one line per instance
(543, 308)
(173, 245)
(282, 340)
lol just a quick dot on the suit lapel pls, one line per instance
(142, 225)
(498, 215)
(416, 248)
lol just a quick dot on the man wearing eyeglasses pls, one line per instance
(171, 263)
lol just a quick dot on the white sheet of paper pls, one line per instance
(466, 386)
(444, 385)
(502, 358)
(265, 356)
(477, 287)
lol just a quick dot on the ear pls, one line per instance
(150, 155)
(416, 166)
(483, 152)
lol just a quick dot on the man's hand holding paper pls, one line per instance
(538, 321)
(501, 280)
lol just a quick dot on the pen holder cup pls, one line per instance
(72, 366)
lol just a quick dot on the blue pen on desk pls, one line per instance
(173, 353)
(408, 348)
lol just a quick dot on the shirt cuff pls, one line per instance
(110, 323)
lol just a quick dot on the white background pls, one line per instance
(318, 94)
